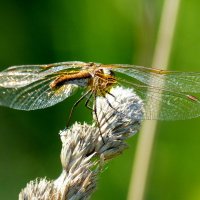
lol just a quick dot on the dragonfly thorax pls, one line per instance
(102, 81)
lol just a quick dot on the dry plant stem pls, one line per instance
(147, 134)
(84, 153)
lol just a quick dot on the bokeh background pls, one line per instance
(114, 31)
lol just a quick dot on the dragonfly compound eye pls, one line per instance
(107, 71)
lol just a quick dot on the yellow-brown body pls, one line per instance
(98, 81)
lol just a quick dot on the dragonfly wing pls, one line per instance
(162, 104)
(36, 95)
(173, 80)
(20, 76)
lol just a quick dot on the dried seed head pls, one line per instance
(120, 112)
(83, 151)
(38, 189)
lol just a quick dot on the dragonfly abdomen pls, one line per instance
(79, 78)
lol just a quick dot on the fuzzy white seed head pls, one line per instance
(120, 112)
(84, 153)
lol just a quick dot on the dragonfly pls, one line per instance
(31, 87)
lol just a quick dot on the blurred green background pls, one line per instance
(106, 31)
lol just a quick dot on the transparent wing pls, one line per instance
(166, 105)
(36, 95)
(20, 76)
(176, 81)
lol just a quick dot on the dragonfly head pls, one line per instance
(107, 71)
(104, 72)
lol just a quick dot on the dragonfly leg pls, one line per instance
(111, 94)
(111, 104)
(108, 102)
(136, 122)
(73, 107)
(95, 112)
(87, 102)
